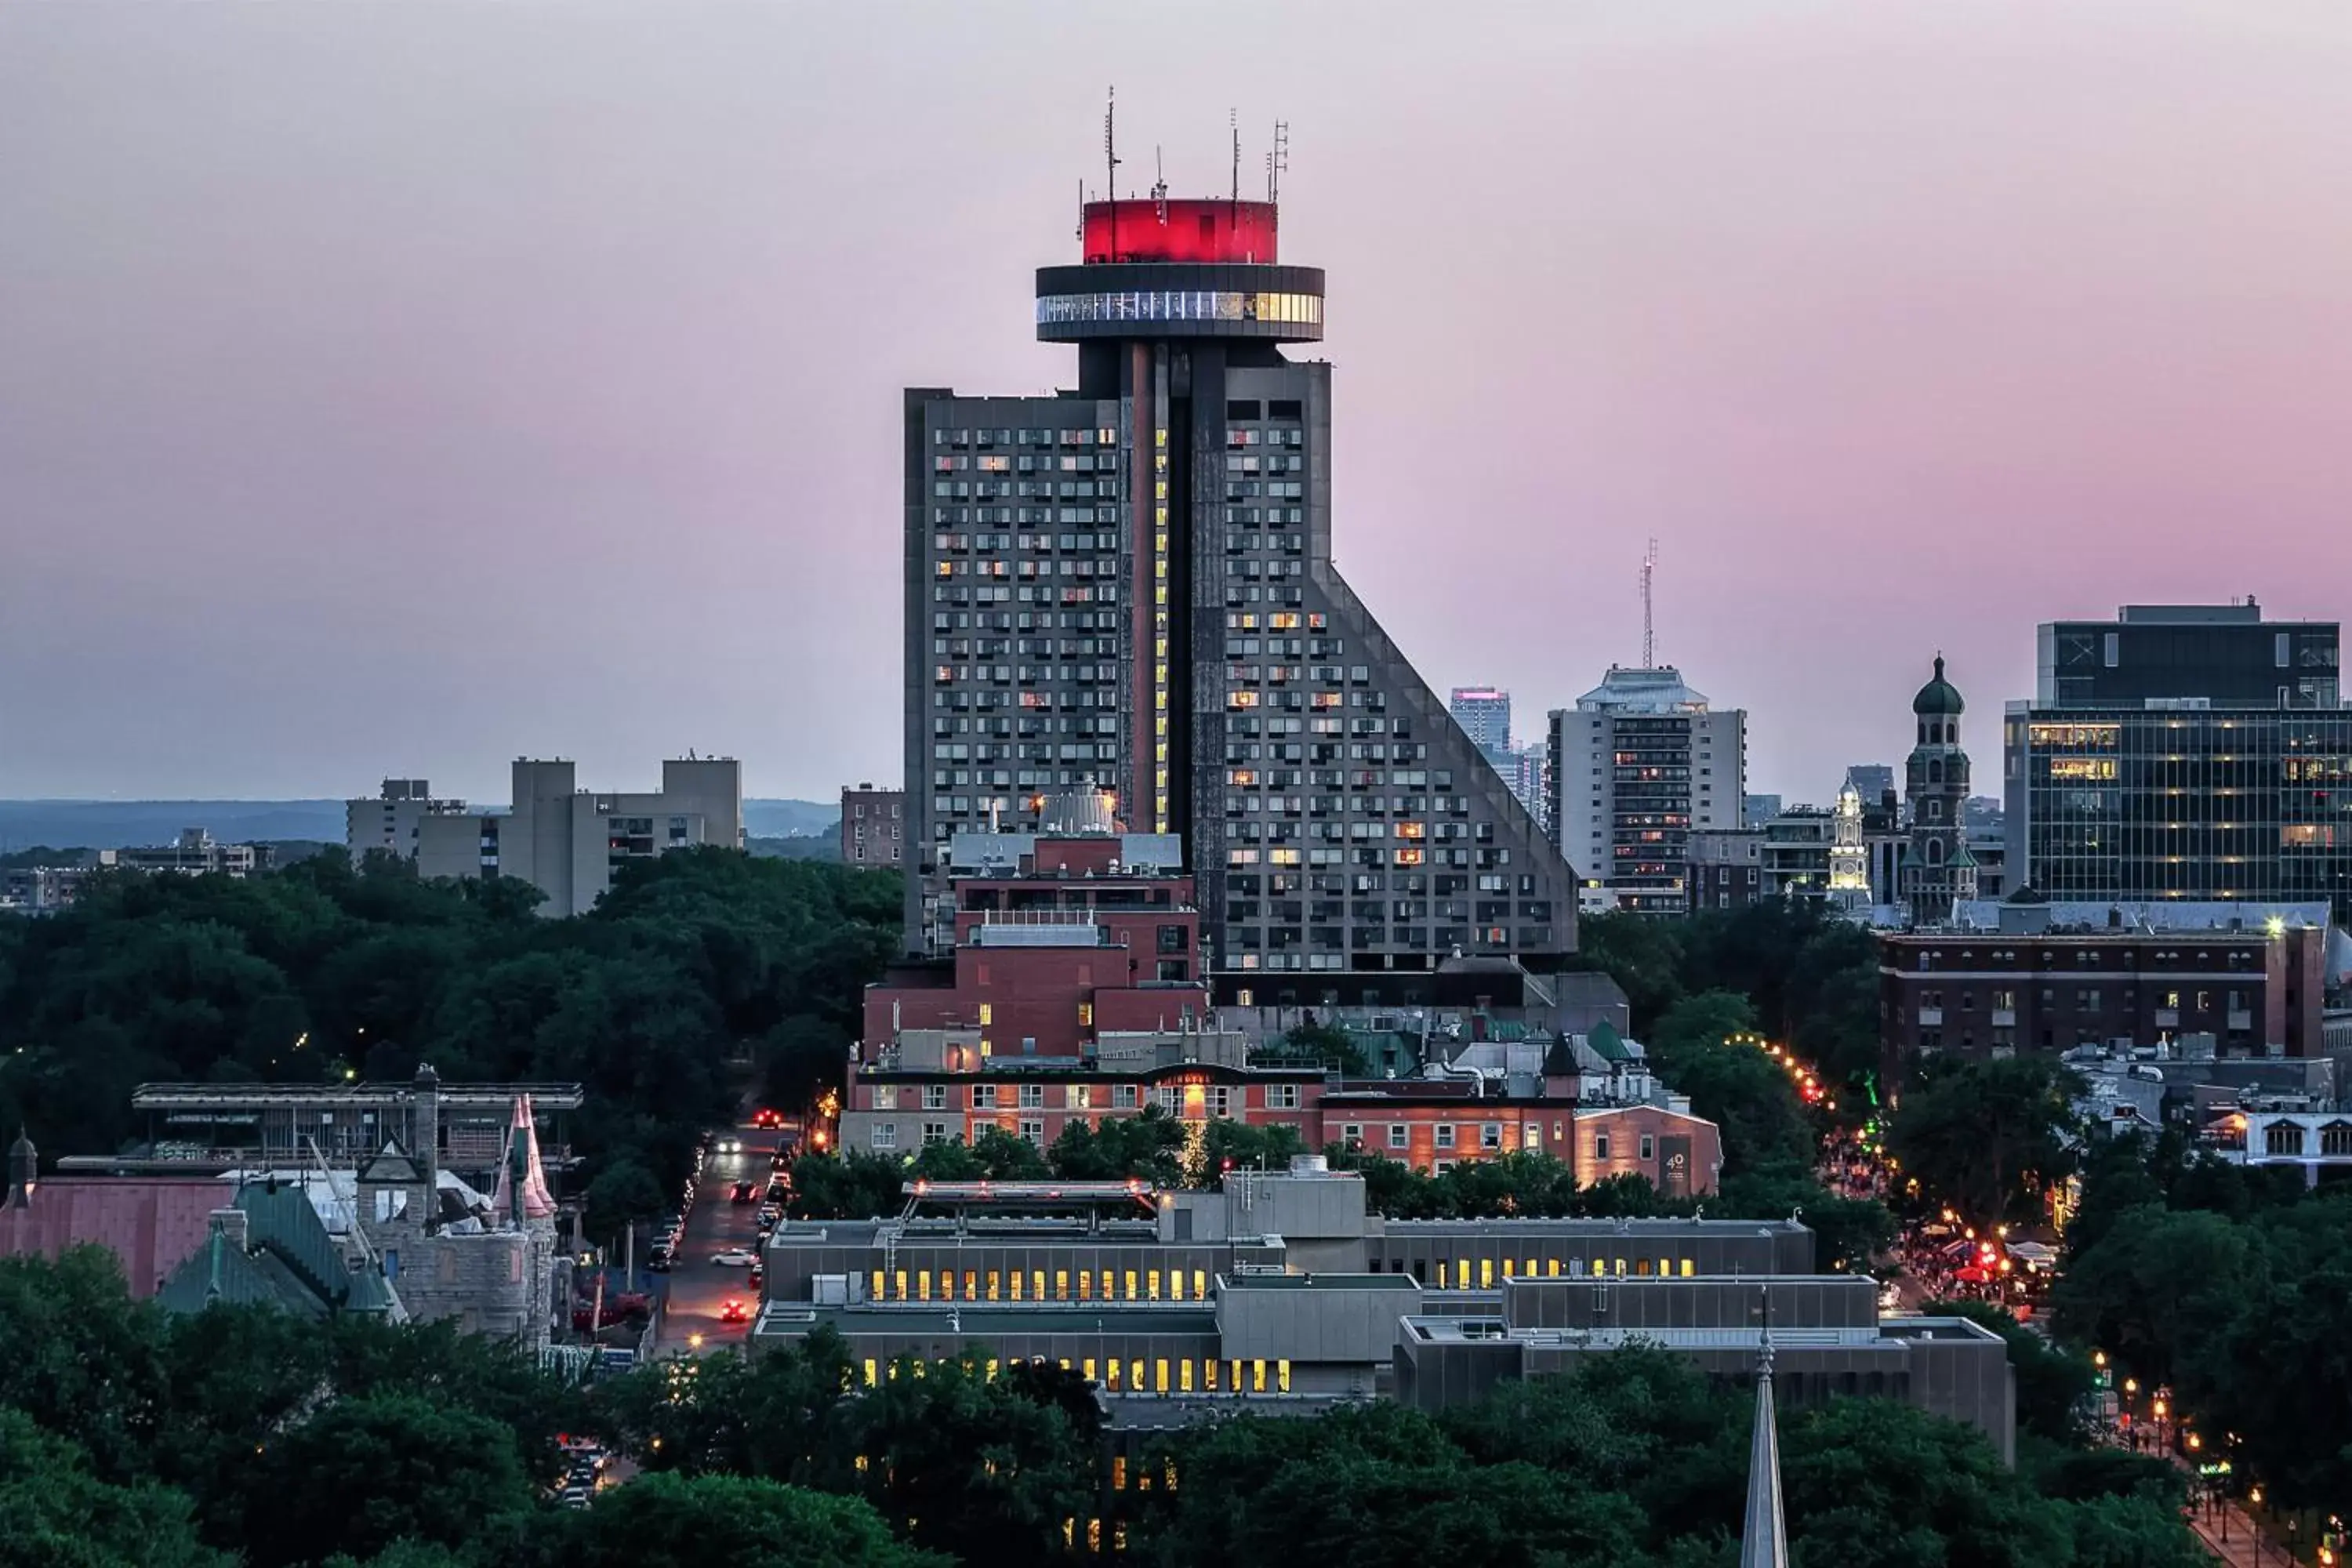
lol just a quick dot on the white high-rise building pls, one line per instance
(1640, 763)
(389, 822)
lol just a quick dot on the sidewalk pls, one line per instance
(2233, 1538)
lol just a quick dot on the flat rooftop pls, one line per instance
(1593, 1228)
(1271, 1281)
(998, 1231)
(980, 1322)
(1890, 1333)
(452, 1096)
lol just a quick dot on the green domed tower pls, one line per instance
(1937, 870)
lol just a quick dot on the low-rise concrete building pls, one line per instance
(1279, 1291)
(211, 1128)
(567, 842)
(195, 853)
(1825, 1336)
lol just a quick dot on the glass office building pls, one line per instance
(2183, 752)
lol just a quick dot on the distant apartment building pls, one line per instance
(388, 822)
(1872, 781)
(567, 842)
(41, 889)
(1727, 868)
(2188, 752)
(2247, 979)
(1484, 714)
(195, 853)
(873, 826)
(1639, 764)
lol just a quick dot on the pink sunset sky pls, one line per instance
(397, 388)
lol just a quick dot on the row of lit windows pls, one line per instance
(1031, 1285)
(1450, 1275)
(1081, 464)
(1181, 305)
(1092, 540)
(1100, 437)
(1137, 1374)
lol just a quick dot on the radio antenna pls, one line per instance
(1277, 163)
(1233, 123)
(1159, 186)
(1110, 163)
(1649, 622)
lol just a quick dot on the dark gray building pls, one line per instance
(1280, 1292)
(1826, 1337)
(1131, 582)
(2191, 752)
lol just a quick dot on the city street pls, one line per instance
(699, 1290)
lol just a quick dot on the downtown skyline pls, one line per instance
(544, 398)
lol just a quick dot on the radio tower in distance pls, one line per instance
(1649, 618)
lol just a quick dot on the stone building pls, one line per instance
(1937, 870)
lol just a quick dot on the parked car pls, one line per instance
(736, 1258)
(660, 1262)
(757, 1278)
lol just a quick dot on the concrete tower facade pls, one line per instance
(1129, 583)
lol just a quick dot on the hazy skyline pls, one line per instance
(396, 389)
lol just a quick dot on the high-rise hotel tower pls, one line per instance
(1130, 582)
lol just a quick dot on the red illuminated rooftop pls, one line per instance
(1213, 230)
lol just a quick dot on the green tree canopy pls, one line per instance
(1987, 1137)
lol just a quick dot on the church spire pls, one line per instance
(1763, 1535)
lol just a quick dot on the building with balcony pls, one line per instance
(1641, 764)
(1131, 582)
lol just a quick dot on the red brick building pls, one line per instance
(1980, 992)
(1077, 993)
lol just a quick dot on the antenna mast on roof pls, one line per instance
(1278, 162)
(1159, 186)
(1110, 164)
(1649, 622)
(1233, 123)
